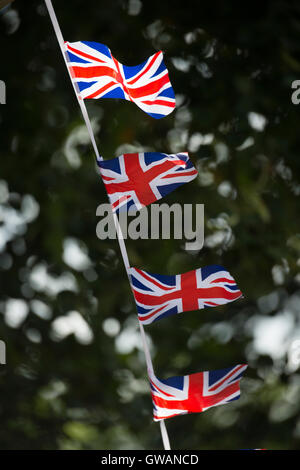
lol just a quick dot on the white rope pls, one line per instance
(164, 435)
(81, 103)
(120, 237)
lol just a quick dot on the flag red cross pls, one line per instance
(189, 292)
(200, 395)
(140, 180)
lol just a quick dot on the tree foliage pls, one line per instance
(75, 376)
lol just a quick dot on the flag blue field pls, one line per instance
(99, 75)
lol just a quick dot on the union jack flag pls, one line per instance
(134, 180)
(196, 392)
(158, 296)
(99, 75)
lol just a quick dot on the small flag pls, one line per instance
(158, 296)
(196, 392)
(99, 75)
(134, 180)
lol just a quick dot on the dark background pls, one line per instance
(75, 376)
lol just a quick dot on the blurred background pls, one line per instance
(75, 374)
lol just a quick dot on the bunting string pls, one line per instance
(61, 42)
(136, 180)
